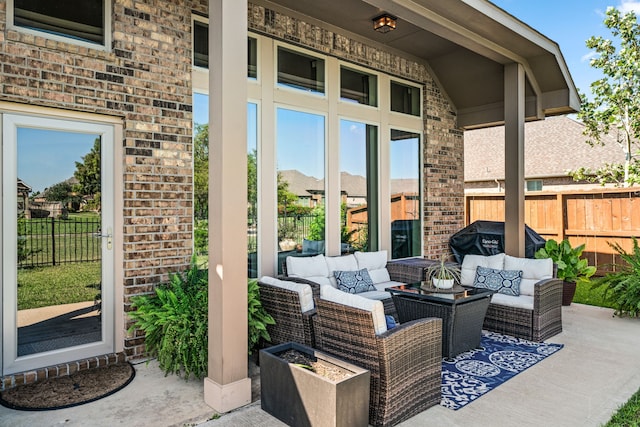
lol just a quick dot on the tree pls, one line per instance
(88, 171)
(201, 171)
(616, 104)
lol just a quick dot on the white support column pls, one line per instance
(514, 103)
(227, 385)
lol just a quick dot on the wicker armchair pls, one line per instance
(544, 321)
(291, 324)
(405, 362)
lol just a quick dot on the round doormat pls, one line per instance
(63, 392)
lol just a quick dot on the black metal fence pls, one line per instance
(54, 241)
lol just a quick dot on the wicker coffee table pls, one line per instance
(462, 311)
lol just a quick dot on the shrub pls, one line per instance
(258, 317)
(175, 321)
(622, 287)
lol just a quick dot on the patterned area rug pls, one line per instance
(475, 373)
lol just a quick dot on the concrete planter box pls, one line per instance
(301, 397)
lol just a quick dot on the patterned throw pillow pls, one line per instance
(503, 281)
(354, 282)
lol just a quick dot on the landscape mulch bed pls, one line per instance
(63, 392)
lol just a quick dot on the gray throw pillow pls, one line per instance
(502, 281)
(354, 282)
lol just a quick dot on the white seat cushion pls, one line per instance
(306, 267)
(522, 301)
(375, 263)
(470, 262)
(357, 301)
(340, 263)
(533, 270)
(304, 291)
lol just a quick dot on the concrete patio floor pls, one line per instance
(581, 385)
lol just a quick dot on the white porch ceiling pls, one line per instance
(466, 43)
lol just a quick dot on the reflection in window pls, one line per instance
(252, 189)
(405, 99)
(78, 19)
(358, 86)
(358, 186)
(300, 175)
(300, 71)
(406, 229)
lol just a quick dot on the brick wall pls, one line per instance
(443, 166)
(146, 80)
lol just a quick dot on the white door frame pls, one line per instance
(9, 124)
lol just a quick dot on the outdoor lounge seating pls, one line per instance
(536, 312)
(291, 304)
(320, 269)
(405, 362)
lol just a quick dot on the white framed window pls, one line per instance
(405, 98)
(200, 39)
(300, 70)
(85, 22)
(358, 86)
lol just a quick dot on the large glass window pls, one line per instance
(358, 186)
(405, 99)
(301, 189)
(406, 228)
(359, 87)
(77, 19)
(300, 71)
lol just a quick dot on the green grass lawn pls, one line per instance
(61, 284)
(586, 295)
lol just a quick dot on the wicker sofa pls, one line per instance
(536, 313)
(405, 362)
(320, 269)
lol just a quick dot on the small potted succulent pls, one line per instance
(572, 268)
(443, 274)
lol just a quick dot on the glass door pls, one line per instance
(57, 241)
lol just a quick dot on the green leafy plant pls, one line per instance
(622, 287)
(258, 317)
(571, 266)
(443, 270)
(174, 320)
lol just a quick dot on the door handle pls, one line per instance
(108, 236)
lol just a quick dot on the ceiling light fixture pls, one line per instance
(384, 23)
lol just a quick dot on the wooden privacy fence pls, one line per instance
(594, 217)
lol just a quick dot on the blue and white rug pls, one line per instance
(475, 373)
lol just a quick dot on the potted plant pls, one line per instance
(572, 268)
(443, 274)
(302, 386)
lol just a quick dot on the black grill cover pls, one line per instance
(487, 238)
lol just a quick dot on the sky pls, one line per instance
(569, 23)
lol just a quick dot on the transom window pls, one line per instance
(300, 71)
(83, 20)
(405, 99)
(359, 87)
